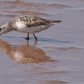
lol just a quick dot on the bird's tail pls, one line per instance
(55, 21)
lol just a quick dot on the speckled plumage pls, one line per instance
(27, 24)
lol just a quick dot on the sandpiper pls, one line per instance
(27, 24)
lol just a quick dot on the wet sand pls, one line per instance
(58, 55)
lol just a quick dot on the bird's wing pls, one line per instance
(34, 20)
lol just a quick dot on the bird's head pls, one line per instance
(4, 28)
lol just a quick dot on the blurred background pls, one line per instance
(58, 55)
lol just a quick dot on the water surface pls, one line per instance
(58, 55)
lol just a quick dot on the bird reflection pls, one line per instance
(24, 54)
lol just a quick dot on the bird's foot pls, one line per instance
(27, 38)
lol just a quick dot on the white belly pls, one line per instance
(24, 30)
(34, 29)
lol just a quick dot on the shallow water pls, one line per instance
(58, 55)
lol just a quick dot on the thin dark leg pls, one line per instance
(27, 37)
(0, 30)
(35, 37)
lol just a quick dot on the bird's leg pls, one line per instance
(27, 37)
(35, 37)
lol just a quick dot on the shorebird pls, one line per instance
(27, 24)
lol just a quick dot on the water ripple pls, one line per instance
(41, 39)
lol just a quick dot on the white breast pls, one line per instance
(20, 25)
